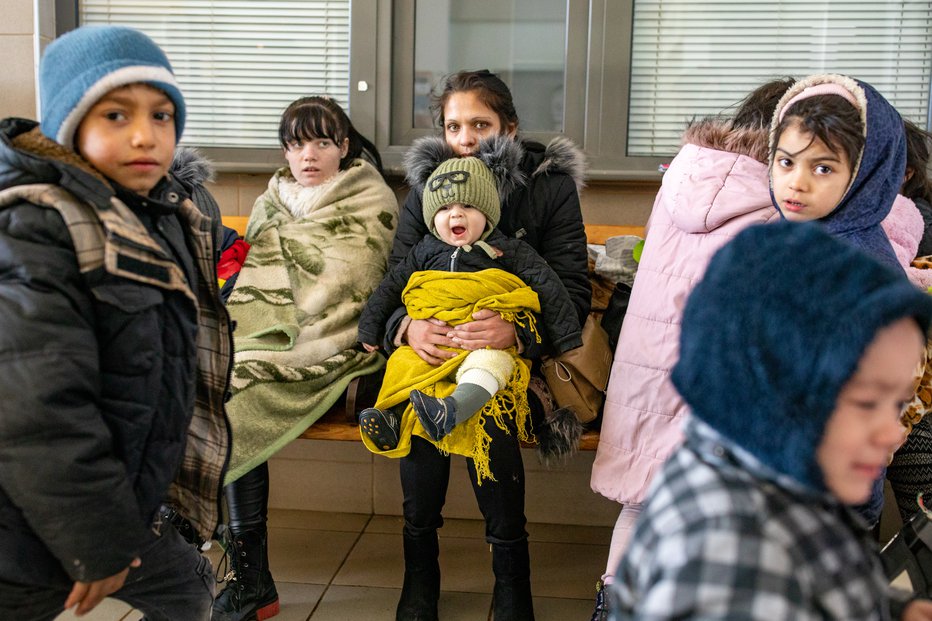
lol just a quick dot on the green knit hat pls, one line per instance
(463, 180)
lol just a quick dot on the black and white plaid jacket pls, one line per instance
(723, 537)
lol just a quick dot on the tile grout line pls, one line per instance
(342, 563)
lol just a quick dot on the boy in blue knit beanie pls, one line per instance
(114, 347)
(797, 354)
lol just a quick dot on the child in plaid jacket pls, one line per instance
(797, 354)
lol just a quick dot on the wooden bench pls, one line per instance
(338, 424)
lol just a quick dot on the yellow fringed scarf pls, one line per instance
(453, 297)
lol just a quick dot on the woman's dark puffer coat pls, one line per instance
(541, 208)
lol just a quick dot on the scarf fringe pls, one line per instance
(508, 404)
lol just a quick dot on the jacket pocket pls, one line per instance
(128, 297)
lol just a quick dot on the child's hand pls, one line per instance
(370, 348)
(918, 610)
(86, 595)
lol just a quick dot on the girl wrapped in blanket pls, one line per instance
(320, 238)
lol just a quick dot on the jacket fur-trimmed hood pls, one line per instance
(503, 155)
(192, 170)
(190, 167)
(562, 156)
(722, 135)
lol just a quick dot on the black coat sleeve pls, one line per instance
(411, 229)
(557, 309)
(386, 299)
(57, 465)
(562, 241)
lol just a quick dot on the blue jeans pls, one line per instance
(174, 583)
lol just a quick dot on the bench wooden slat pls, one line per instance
(598, 233)
(236, 222)
(335, 425)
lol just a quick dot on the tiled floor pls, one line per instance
(338, 566)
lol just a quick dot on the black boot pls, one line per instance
(250, 592)
(421, 590)
(511, 599)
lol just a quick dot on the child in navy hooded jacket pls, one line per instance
(797, 351)
(838, 156)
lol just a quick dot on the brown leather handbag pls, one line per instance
(578, 378)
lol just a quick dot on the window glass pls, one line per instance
(241, 62)
(692, 59)
(524, 41)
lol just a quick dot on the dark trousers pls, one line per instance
(425, 474)
(174, 583)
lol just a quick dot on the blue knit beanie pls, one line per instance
(85, 64)
(776, 328)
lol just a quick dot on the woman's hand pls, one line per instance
(425, 335)
(370, 348)
(487, 329)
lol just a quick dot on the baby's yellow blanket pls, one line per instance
(453, 297)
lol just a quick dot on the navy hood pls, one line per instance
(878, 174)
(775, 329)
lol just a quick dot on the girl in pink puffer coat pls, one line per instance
(716, 186)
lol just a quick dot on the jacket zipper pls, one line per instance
(453, 260)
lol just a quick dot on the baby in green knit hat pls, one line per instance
(461, 209)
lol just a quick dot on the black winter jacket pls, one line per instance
(541, 208)
(99, 372)
(560, 321)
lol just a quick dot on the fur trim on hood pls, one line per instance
(721, 135)
(191, 168)
(503, 156)
(563, 156)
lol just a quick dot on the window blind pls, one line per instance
(691, 59)
(241, 62)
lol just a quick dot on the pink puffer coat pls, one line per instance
(715, 187)
(904, 227)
